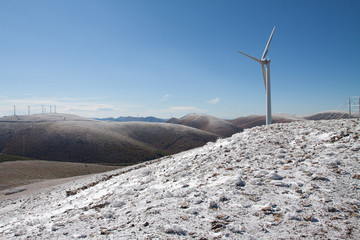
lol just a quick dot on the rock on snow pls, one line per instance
(289, 181)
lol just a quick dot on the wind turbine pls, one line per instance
(266, 75)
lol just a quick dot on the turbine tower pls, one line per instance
(266, 75)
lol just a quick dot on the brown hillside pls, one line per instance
(74, 139)
(258, 120)
(18, 173)
(208, 123)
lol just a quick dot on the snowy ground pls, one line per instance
(284, 181)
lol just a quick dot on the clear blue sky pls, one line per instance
(169, 58)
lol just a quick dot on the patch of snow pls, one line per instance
(14, 190)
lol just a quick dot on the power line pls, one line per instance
(354, 105)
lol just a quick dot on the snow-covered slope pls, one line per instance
(294, 180)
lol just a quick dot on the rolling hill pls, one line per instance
(133, 119)
(65, 137)
(208, 123)
(258, 120)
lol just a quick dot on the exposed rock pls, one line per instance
(240, 183)
(176, 230)
(320, 178)
(184, 205)
(217, 225)
(213, 205)
(275, 176)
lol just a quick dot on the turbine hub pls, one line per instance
(265, 60)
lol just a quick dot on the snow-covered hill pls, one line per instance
(289, 181)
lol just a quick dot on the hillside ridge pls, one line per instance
(71, 138)
(287, 180)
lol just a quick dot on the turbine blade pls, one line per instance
(268, 44)
(250, 57)
(264, 74)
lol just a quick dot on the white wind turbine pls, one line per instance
(266, 75)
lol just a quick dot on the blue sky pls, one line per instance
(169, 58)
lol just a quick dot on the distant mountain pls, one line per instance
(133, 119)
(70, 138)
(208, 123)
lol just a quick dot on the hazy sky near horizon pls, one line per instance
(169, 58)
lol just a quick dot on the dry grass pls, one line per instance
(8, 158)
(18, 173)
